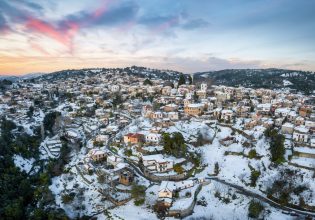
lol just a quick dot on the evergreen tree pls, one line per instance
(181, 80)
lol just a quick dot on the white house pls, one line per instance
(264, 108)
(226, 115)
(282, 112)
(166, 192)
(310, 124)
(313, 141)
(203, 87)
(300, 134)
(157, 163)
(173, 116)
(115, 88)
(153, 137)
(114, 160)
(287, 128)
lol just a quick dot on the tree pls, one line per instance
(30, 111)
(254, 209)
(50, 119)
(174, 144)
(252, 154)
(178, 169)
(254, 177)
(216, 168)
(190, 80)
(138, 193)
(101, 178)
(67, 198)
(277, 149)
(181, 79)
(147, 82)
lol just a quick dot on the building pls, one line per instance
(126, 177)
(227, 115)
(194, 109)
(287, 128)
(264, 108)
(157, 163)
(97, 155)
(153, 138)
(300, 134)
(166, 193)
(133, 138)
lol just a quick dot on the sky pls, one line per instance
(184, 35)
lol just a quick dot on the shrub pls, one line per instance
(138, 191)
(252, 154)
(67, 198)
(178, 169)
(253, 178)
(139, 202)
(128, 152)
(254, 209)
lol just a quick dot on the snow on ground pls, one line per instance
(22, 163)
(129, 212)
(235, 207)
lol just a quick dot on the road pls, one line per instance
(249, 193)
(239, 189)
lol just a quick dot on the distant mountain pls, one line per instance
(261, 78)
(134, 70)
(253, 78)
(25, 76)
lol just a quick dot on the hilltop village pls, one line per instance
(120, 146)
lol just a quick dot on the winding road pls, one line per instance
(249, 193)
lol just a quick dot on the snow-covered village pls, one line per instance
(108, 144)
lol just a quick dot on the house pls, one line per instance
(305, 111)
(264, 108)
(156, 115)
(115, 88)
(166, 193)
(287, 128)
(242, 111)
(194, 109)
(282, 112)
(279, 122)
(101, 138)
(114, 160)
(126, 177)
(201, 94)
(203, 87)
(173, 116)
(97, 155)
(299, 121)
(133, 138)
(292, 116)
(170, 108)
(157, 163)
(227, 115)
(153, 138)
(166, 90)
(266, 99)
(309, 124)
(301, 134)
(313, 141)
(185, 184)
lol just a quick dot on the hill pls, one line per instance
(261, 78)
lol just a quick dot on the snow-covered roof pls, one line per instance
(156, 157)
(167, 186)
(301, 129)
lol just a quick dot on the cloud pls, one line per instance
(3, 24)
(62, 36)
(195, 24)
(105, 15)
